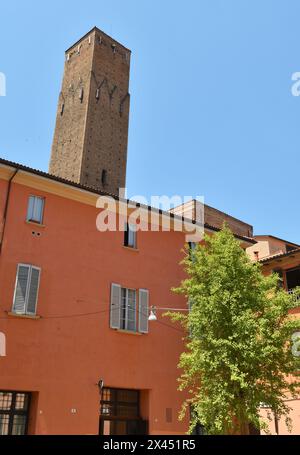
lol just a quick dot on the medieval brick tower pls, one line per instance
(91, 133)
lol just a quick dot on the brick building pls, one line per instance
(91, 133)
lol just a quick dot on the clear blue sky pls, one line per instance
(211, 114)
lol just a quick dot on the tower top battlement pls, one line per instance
(99, 33)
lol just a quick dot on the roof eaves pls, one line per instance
(93, 190)
(279, 256)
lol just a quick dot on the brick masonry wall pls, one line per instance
(217, 218)
(91, 134)
(213, 217)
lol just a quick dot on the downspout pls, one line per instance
(6, 207)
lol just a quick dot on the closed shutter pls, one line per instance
(19, 305)
(143, 311)
(33, 290)
(115, 306)
(38, 210)
(30, 208)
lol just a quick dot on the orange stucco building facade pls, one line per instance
(59, 354)
(78, 354)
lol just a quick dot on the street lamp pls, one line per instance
(153, 312)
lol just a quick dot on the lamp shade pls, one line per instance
(152, 316)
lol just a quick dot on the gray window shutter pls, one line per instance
(19, 305)
(115, 306)
(143, 311)
(33, 290)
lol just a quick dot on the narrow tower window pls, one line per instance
(81, 94)
(104, 177)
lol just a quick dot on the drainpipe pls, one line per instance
(6, 208)
(276, 423)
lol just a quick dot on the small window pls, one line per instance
(35, 210)
(26, 290)
(104, 177)
(130, 236)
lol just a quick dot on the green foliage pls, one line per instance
(238, 344)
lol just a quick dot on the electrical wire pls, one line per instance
(107, 310)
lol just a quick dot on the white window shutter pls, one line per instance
(115, 306)
(19, 305)
(33, 290)
(38, 210)
(132, 235)
(143, 311)
(30, 208)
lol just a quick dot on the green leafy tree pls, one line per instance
(238, 339)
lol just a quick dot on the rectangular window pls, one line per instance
(125, 312)
(120, 413)
(128, 310)
(14, 409)
(35, 210)
(26, 289)
(130, 236)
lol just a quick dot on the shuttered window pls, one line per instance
(35, 210)
(124, 314)
(26, 289)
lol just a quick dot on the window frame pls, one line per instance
(29, 218)
(131, 422)
(28, 285)
(12, 411)
(130, 229)
(126, 320)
